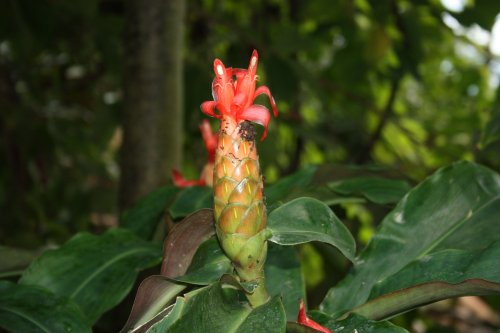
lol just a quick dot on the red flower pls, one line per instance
(235, 98)
(304, 320)
(206, 176)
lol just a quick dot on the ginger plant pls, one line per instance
(239, 208)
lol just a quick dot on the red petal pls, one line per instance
(304, 320)
(258, 114)
(180, 181)
(246, 79)
(209, 138)
(265, 90)
(208, 109)
(240, 100)
(222, 86)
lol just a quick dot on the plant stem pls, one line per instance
(260, 294)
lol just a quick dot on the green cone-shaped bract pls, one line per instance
(240, 213)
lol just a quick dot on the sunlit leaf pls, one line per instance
(456, 208)
(305, 220)
(440, 275)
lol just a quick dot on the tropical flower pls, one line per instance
(239, 208)
(206, 176)
(235, 98)
(306, 321)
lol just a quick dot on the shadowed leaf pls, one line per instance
(144, 216)
(96, 272)
(190, 200)
(179, 247)
(26, 309)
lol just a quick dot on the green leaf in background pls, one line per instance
(190, 200)
(378, 190)
(482, 13)
(305, 220)
(344, 184)
(456, 208)
(144, 216)
(218, 310)
(440, 275)
(14, 261)
(492, 131)
(31, 309)
(284, 277)
(97, 272)
(286, 186)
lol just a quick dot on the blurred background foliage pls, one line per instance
(409, 85)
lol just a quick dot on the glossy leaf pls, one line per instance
(145, 215)
(30, 309)
(457, 207)
(96, 272)
(215, 309)
(305, 220)
(190, 200)
(378, 190)
(444, 274)
(156, 291)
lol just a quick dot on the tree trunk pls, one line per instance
(152, 115)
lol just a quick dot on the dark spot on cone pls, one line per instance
(247, 131)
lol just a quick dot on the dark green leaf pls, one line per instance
(292, 327)
(214, 309)
(305, 220)
(378, 190)
(284, 277)
(356, 323)
(190, 200)
(284, 188)
(96, 272)
(492, 131)
(440, 275)
(482, 13)
(27, 309)
(456, 208)
(144, 216)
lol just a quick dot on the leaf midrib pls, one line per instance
(438, 240)
(22, 315)
(106, 266)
